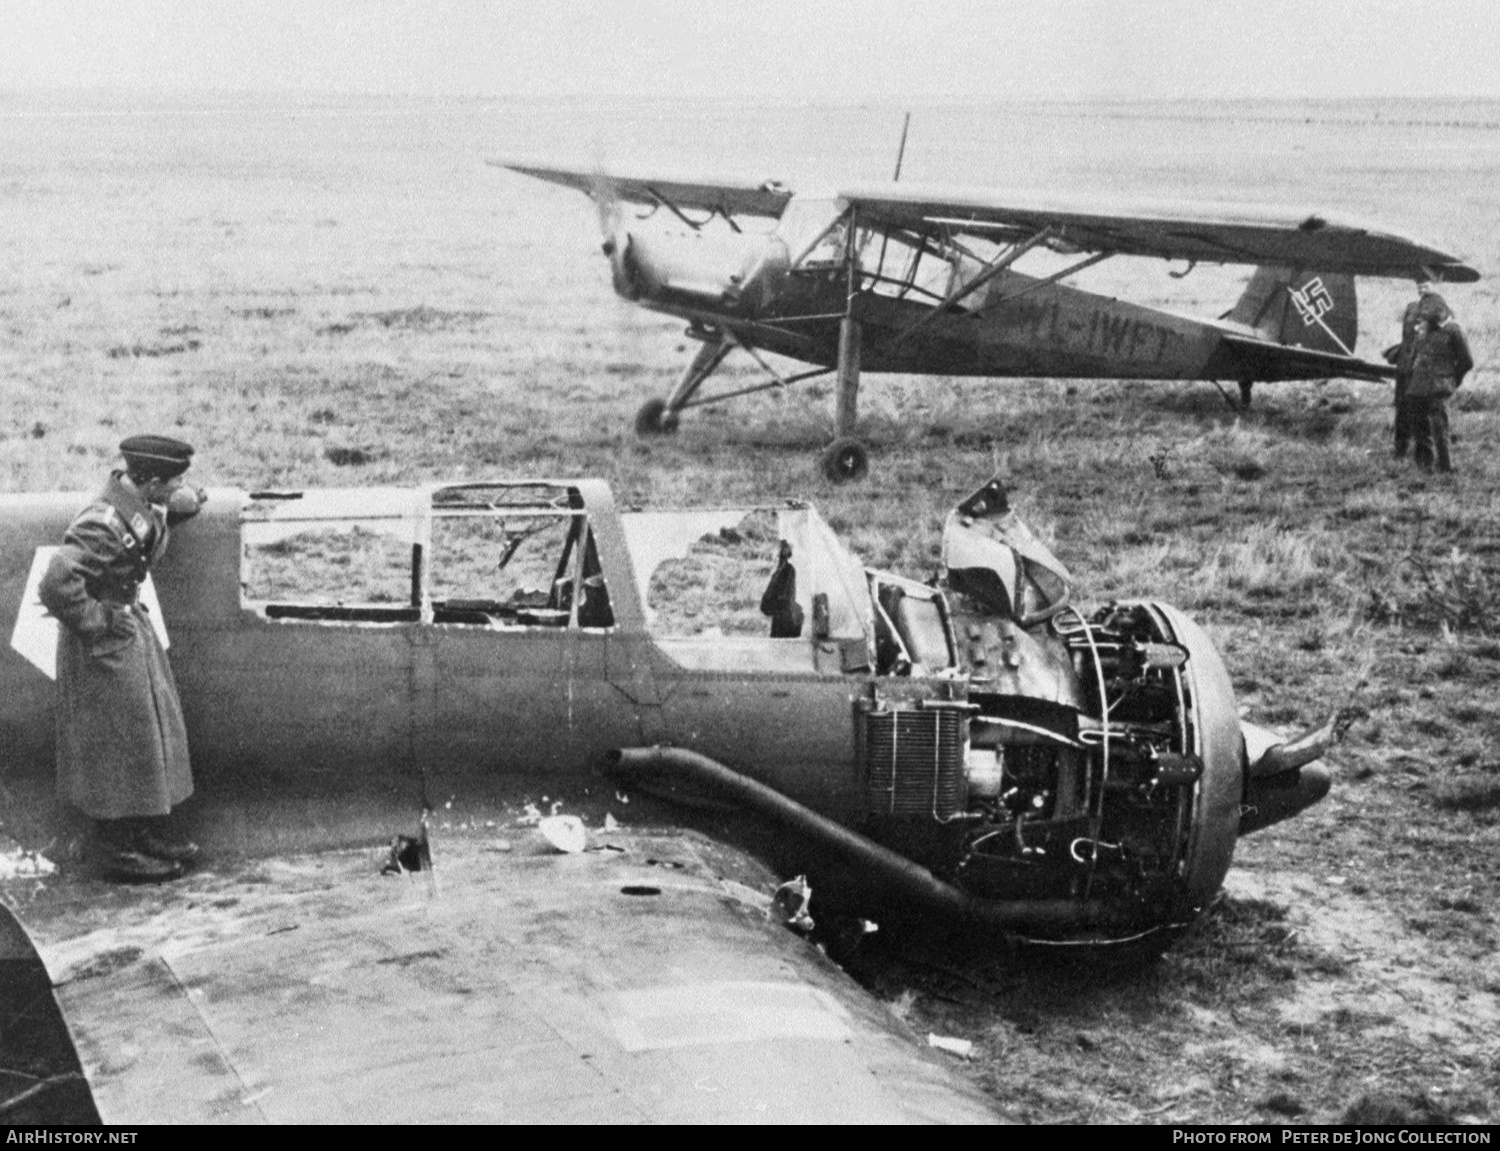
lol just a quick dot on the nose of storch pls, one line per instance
(624, 265)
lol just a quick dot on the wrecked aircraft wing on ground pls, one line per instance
(628, 983)
(982, 755)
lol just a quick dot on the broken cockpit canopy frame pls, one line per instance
(491, 555)
(509, 555)
(994, 558)
(702, 572)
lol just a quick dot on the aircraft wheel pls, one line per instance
(653, 419)
(846, 460)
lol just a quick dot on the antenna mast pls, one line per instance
(901, 151)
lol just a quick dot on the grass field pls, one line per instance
(343, 293)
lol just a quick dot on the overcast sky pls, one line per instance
(842, 50)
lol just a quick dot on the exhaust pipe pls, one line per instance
(899, 879)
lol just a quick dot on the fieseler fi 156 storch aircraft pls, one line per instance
(923, 279)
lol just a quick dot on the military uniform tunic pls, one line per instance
(122, 747)
(1440, 358)
(1407, 410)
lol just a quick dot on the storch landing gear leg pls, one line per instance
(659, 417)
(1246, 387)
(847, 458)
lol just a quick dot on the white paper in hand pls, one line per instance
(35, 634)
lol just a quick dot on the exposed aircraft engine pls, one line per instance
(1122, 791)
(1093, 757)
(1020, 764)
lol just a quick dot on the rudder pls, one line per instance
(1315, 310)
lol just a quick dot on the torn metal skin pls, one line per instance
(1058, 772)
(980, 754)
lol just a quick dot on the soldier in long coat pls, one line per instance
(122, 751)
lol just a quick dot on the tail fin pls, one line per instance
(1315, 310)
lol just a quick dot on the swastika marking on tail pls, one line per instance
(1312, 301)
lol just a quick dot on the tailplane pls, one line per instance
(1315, 310)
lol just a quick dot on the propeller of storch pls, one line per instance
(614, 240)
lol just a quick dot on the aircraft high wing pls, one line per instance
(922, 278)
(1169, 230)
(727, 197)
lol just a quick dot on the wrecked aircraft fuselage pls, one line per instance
(985, 750)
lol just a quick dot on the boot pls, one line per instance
(152, 837)
(121, 861)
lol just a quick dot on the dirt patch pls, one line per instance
(1299, 997)
(151, 351)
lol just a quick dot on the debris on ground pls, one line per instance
(963, 1048)
(565, 832)
(19, 863)
(791, 900)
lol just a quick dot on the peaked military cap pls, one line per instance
(160, 457)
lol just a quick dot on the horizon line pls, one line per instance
(756, 98)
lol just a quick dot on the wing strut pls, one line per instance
(986, 274)
(846, 458)
(1086, 262)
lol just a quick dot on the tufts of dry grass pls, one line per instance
(1469, 793)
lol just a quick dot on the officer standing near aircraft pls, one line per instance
(122, 752)
(1440, 358)
(1400, 355)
